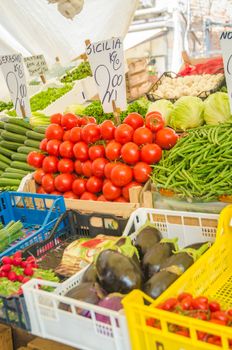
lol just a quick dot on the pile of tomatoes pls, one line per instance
(99, 162)
(200, 308)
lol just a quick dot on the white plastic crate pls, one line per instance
(48, 321)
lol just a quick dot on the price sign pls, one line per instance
(107, 64)
(226, 46)
(13, 71)
(36, 65)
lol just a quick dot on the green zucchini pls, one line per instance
(26, 149)
(19, 156)
(15, 129)
(20, 165)
(5, 159)
(3, 166)
(13, 137)
(1, 172)
(20, 122)
(32, 143)
(6, 152)
(16, 171)
(10, 145)
(40, 129)
(1, 131)
(35, 135)
(12, 176)
(1, 125)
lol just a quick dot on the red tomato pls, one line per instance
(40, 190)
(65, 165)
(35, 159)
(86, 168)
(70, 194)
(151, 153)
(101, 198)
(91, 120)
(130, 153)
(43, 145)
(66, 136)
(96, 151)
(184, 295)
(123, 133)
(121, 199)
(90, 133)
(54, 132)
(107, 130)
(169, 304)
(113, 150)
(56, 118)
(220, 315)
(186, 302)
(105, 181)
(166, 138)
(110, 191)
(94, 184)
(142, 136)
(98, 166)
(56, 193)
(63, 182)
(79, 186)
(48, 183)
(135, 120)
(53, 147)
(142, 172)
(214, 306)
(78, 167)
(80, 151)
(69, 121)
(50, 164)
(83, 121)
(108, 168)
(125, 189)
(88, 196)
(38, 175)
(66, 149)
(121, 175)
(154, 121)
(75, 134)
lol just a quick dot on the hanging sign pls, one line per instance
(13, 71)
(107, 64)
(36, 65)
(226, 46)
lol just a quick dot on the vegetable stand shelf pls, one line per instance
(48, 320)
(210, 276)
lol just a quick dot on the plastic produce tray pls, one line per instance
(211, 276)
(152, 96)
(47, 320)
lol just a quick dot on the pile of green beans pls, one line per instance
(199, 166)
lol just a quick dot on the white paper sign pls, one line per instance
(13, 71)
(107, 64)
(226, 46)
(36, 65)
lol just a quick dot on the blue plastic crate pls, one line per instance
(37, 212)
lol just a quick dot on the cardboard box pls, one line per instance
(6, 342)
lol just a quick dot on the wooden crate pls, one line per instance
(6, 341)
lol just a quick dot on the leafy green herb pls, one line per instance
(81, 72)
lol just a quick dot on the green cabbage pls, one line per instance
(188, 113)
(163, 106)
(217, 108)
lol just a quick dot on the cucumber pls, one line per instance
(4, 159)
(3, 165)
(10, 145)
(1, 131)
(32, 143)
(13, 137)
(20, 165)
(2, 125)
(40, 129)
(35, 135)
(26, 149)
(15, 129)
(1, 172)
(20, 122)
(9, 182)
(6, 152)
(12, 175)
(19, 156)
(16, 171)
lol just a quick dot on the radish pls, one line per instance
(6, 260)
(12, 276)
(6, 268)
(28, 271)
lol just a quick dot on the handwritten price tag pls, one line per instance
(36, 65)
(13, 71)
(226, 46)
(107, 64)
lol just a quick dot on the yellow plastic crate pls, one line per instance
(210, 276)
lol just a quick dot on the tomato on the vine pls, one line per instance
(86, 168)
(98, 166)
(63, 182)
(121, 175)
(130, 153)
(90, 133)
(94, 184)
(38, 175)
(69, 121)
(43, 145)
(110, 191)
(88, 196)
(123, 133)
(48, 183)
(80, 151)
(113, 150)
(79, 186)
(66, 149)
(35, 159)
(75, 134)
(141, 172)
(135, 120)
(50, 164)
(154, 121)
(166, 138)
(96, 151)
(65, 165)
(125, 189)
(54, 132)
(142, 136)
(151, 153)
(53, 147)
(107, 129)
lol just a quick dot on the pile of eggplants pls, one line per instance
(157, 265)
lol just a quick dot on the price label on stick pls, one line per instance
(13, 71)
(36, 65)
(226, 46)
(107, 64)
